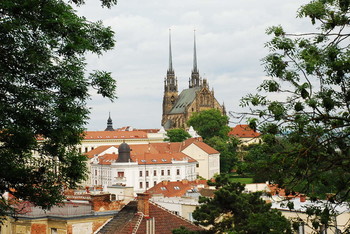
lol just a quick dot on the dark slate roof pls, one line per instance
(185, 98)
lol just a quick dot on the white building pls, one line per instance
(339, 222)
(140, 167)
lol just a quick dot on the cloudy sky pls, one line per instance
(230, 45)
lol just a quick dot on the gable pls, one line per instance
(201, 146)
(186, 97)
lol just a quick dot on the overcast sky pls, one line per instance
(230, 45)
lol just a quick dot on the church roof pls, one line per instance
(185, 98)
(243, 131)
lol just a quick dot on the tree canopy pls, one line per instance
(210, 123)
(177, 135)
(233, 211)
(43, 94)
(310, 109)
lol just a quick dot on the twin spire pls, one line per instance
(194, 81)
(170, 55)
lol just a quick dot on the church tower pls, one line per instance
(195, 80)
(170, 85)
(109, 123)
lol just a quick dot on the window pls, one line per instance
(147, 184)
(140, 184)
(168, 172)
(54, 231)
(79, 150)
(162, 172)
(86, 149)
(197, 165)
(163, 188)
(154, 183)
(120, 173)
(113, 197)
(176, 187)
(177, 171)
(140, 173)
(146, 173)
(95, 172)
(155, 173)
(92, 148)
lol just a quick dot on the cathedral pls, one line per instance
(177, 109)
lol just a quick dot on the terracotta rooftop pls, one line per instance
(243, 131)
(143, 154)
(156, 151)
(133, 218)
(206, 148)
(175, 188)
(98, 135)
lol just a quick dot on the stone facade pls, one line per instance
(177, 109)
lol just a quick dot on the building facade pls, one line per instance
(178, 108)
(142, 166)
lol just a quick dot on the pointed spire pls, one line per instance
(170, 54)
(194, 53)
(109, 123)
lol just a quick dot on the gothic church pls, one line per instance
(177, 109)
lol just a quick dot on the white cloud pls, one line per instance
(230, 46)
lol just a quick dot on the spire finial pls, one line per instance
(170, 54)
(194, 52)
(109, 123)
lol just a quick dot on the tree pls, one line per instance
(43, 94)
(177, 135)
(233, 211)
(228, 152)
(210, 123)
(310, 73)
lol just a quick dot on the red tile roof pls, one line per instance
(98, 135)
(99, 150)
(148, 130)
(158, 151)
(165, 221)
(142, 153)
(243, 131)
(206, 148)
(175, 188)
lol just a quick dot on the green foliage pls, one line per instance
(311, 116)
(184, 230)
(43, 94)
(213, 128)
(210, 123)
(228, 152)
(233, 211)
(177, 135)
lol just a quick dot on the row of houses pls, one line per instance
(124, 163)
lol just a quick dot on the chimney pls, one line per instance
(165, 182)
(184, 181)
(143, 203)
